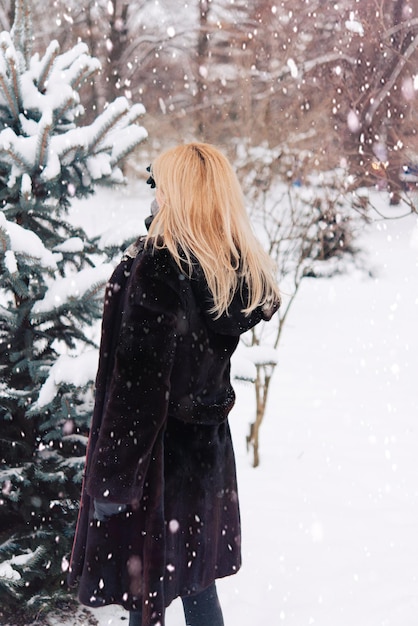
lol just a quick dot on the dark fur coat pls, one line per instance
(160, 441)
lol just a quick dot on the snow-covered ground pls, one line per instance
(330, 518)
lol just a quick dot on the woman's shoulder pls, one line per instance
(134, 249)
(149, 262)
(157, 262)
(155, 277)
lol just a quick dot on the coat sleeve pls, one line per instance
(137, 396)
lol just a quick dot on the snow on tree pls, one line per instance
(51, 284)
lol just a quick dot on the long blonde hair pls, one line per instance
(202, 215)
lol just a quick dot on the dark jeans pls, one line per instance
(202, 609)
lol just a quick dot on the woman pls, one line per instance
(159, 516)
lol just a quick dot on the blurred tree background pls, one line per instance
(332, 83)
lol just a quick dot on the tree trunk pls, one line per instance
(201, 62)
(262, 384)
(118, 38)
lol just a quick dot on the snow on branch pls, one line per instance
(6, 86)
(45, 125)
(81, 69)
(12, 60)
(67, 370)
(21, 32)
(19, 151)
(66, 59)
(73, 287)
(24, 242)
(248, 358)
(47, 63)
(44, 101)
(9, 570)
(107, 120)
(126, 140)
(132, 116)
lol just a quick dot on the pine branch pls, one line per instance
(5, 316)
(66, 59)
(108, 120)
(47, 64)
(135, 113)
(95, 292)
(14, 74)
(28, 37)
(90, 67)
(10, 545)
(77, 65)
(8, 94)
(49, 477)
(45, 126)
(73, 147)
(26, 192)
(4, 239)
(25, 561)
(21, 32)
(9, 585)
(132, 135)
(69, 154)
(15, 157)
(71, 101)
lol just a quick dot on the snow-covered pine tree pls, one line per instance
(51, 284)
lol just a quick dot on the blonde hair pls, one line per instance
(202, 218)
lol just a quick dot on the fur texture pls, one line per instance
(160, 442)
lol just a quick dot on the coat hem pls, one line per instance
(95, 602)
